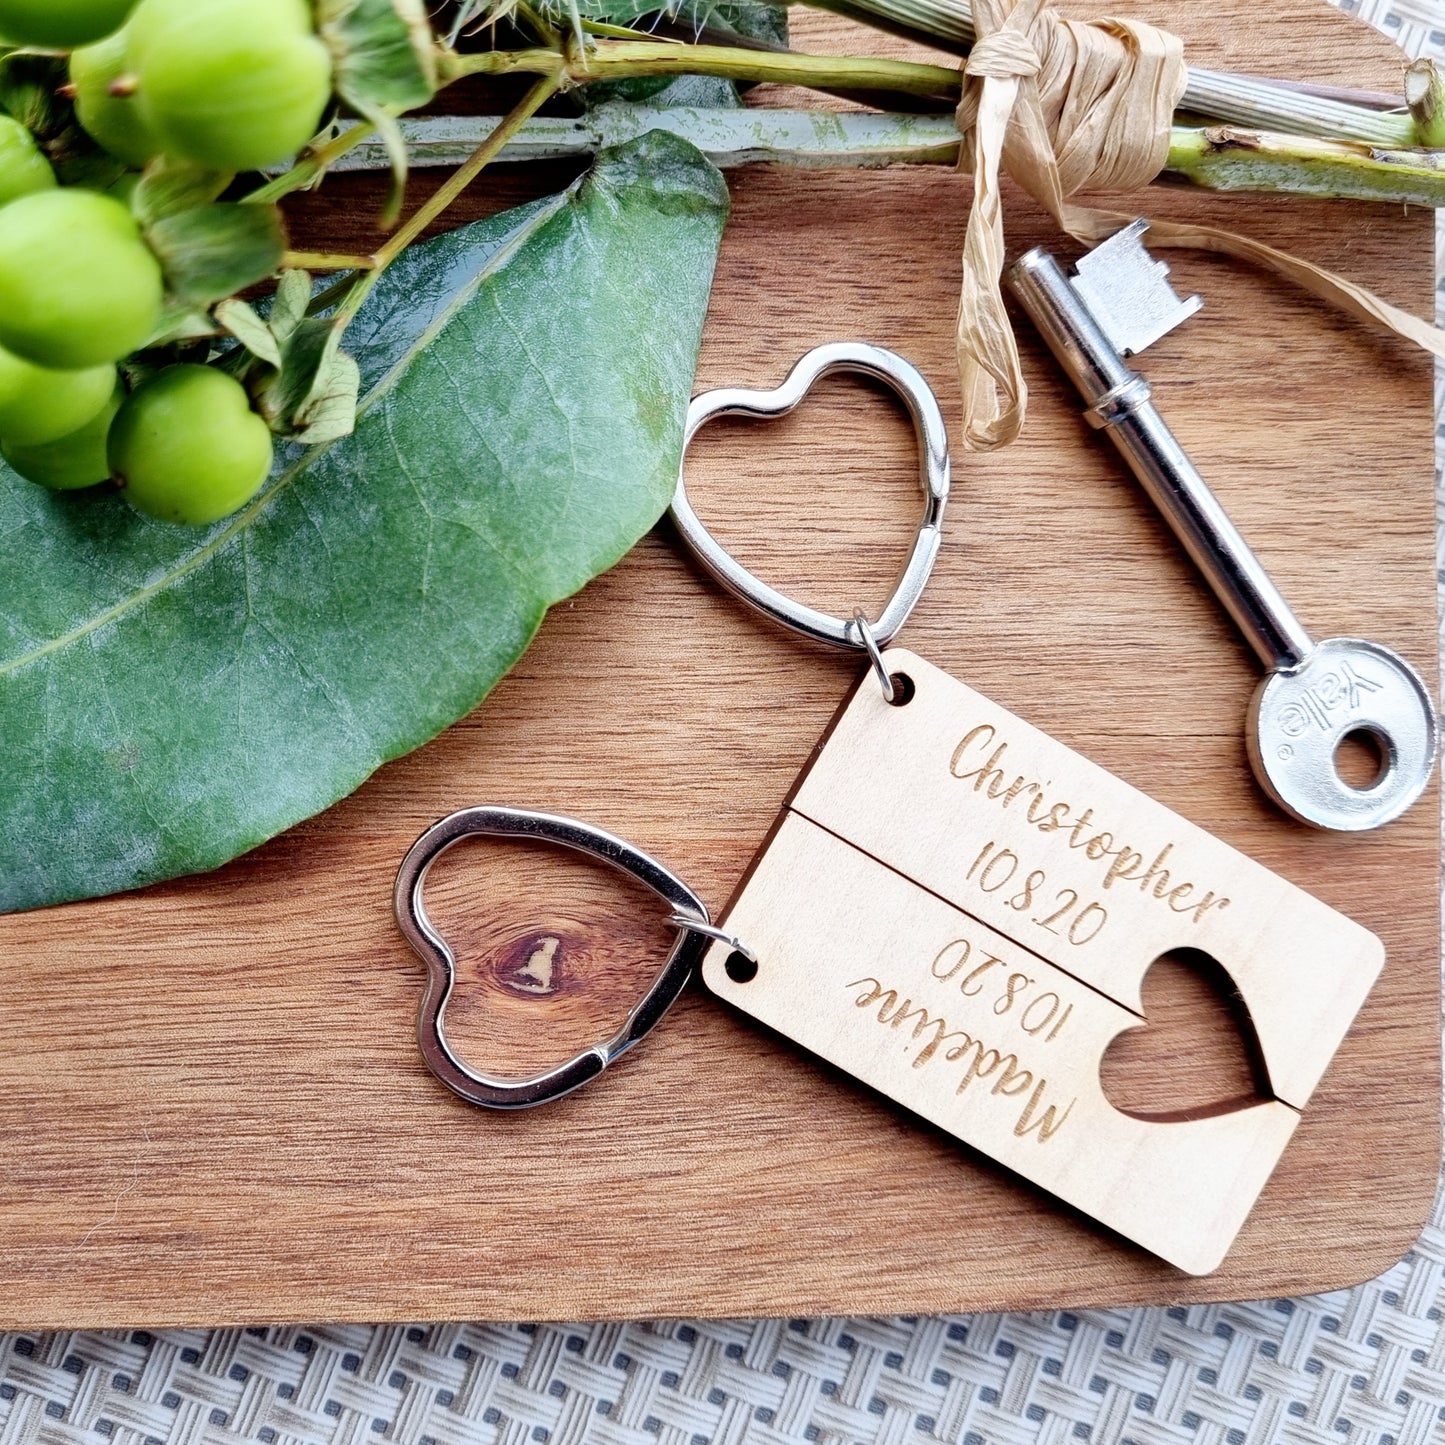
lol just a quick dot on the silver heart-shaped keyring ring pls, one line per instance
(907, 383)
(687, 913)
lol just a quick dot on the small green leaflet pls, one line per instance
(299, 378)
(383, 51)
(383, 63)
(210, 252)
(169, 699)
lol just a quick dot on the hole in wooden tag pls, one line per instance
(903, 689)
(740, 968)
(1195, 1055)
(553, 951)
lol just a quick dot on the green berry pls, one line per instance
(61, 24)
(73, 461)
(114, 121)
(188, 448)
(233, 85)
(23, 170)
(39, 406)
(78, 286)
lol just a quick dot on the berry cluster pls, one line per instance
(224, 85)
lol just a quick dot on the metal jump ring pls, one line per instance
(875, 655)
(687, 912)
(718, 935)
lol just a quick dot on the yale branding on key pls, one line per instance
(960, 911)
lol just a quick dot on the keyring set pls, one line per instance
(958, 910)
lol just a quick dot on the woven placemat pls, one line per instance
(1364, 1366)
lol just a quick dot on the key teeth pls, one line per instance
(1128, 293)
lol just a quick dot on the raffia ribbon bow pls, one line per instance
(1065, 106)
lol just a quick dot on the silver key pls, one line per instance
(1314, 694)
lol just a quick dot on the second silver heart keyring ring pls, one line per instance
(858, 631)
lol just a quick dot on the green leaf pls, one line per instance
(241, 321)
(78, 161)
(169, 699)
(383, 51)
(384, 62)
(329, 410)
(30, 91)
(179, 321)
(210, 252)
(288, 307)
(168, 186)
(314, 396)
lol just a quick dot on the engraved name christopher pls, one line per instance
(1017, 1000)
(979, 759)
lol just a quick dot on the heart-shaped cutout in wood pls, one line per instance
(687, 912)
(1195, 1055)
(905, 381)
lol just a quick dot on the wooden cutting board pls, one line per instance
(212, 1108)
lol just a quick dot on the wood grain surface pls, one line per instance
(212, 1108)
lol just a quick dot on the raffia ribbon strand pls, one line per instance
(1064, 106)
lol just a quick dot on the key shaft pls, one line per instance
(1118, 402)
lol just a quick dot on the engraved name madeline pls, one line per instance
(997, 1074)
(979, 758)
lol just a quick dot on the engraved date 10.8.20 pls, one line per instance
(1060, 911)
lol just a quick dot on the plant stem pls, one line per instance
(1219, 157)
(1242, 99)
(1261, 157)
(620, 32)
(1425, 95)
(490, 148)
(535, 21)
(324, 300)
(728, 137)
(326, 261)
(1304, 172)
(1226, 158)
(615, 60)
(626, 59)
(1251, 101)
(315, 161)
(536, 60)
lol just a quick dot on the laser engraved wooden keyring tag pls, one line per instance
(959, 911)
